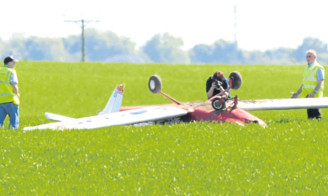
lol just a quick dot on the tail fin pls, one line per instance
(115, 101)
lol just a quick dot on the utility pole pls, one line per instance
(235, 21)
(83, 23)
(82, 42)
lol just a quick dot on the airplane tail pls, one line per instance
(113, 105)
(115, 101)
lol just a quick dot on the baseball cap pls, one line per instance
(9, 59)
(218, 75)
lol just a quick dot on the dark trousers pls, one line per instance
(313, 113)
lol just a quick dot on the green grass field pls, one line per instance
(287, 157)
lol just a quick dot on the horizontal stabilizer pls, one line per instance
(57, 117)
(284, 104)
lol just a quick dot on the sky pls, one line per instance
(261, 24)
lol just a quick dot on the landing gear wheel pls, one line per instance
(236, 80)
(155, 84)
(218, 105)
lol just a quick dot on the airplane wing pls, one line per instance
(141, 115)
(284, 104)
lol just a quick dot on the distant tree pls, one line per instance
(101, 46)
(72, 45)
(15, 46)
(48, 49)
(201, 53)
(35, 48)
(164, 48)
(104, 47)
(256, 57)
(3, 48)
(161, 48)
(309, 43)
(226, 52)
(280, 56)
(219, 52)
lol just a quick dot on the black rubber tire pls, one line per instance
(155, 84)
(215, 105)
(236, 79)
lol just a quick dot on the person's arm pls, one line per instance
(295, 95)
(210, 88)
(316, 89)
(14, 83)
(15, 89)
(211, 91)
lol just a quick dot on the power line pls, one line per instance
(83, 24)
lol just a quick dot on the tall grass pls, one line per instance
(287, 157)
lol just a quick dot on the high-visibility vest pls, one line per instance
(310, 80)
(6, 90)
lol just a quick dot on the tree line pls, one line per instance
(161, 48)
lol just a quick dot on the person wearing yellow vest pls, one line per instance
(9, 94)
(313, 82)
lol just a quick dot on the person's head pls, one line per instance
(218, 76)
(311, 56)
(10, 61)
